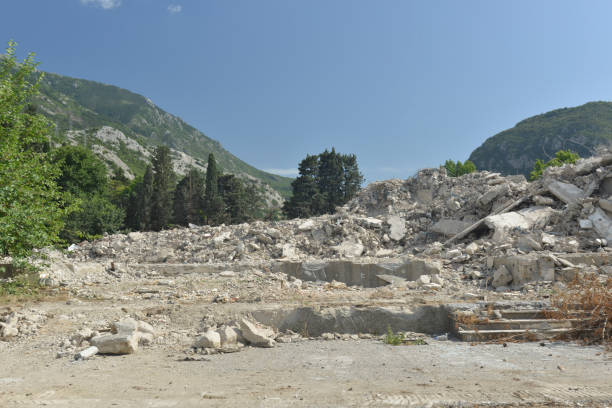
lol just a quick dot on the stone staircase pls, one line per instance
(511, 324)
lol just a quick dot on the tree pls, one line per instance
(561, 157)
(331, 179)
(213, 202)
(305, 189)
(189, 199)
(456, 169)
(31, 203)
(95, 216)
(325, 181)
(352, 177)
(82, 172)
(163, 184)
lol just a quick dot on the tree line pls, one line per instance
(58, 195)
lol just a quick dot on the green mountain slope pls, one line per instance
(580, 129)
(80, 108)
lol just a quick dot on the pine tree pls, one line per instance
(352, 177)
(189, 199)
(213, 202)
(331, 179)
(302, 203)
(163, 183)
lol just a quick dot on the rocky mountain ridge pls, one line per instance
(123, 128)
(514, 151)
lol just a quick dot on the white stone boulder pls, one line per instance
(116, 343)
(256, 334)
(210, 339)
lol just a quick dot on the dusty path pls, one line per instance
(314, 373)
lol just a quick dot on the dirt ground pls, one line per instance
(308, 373)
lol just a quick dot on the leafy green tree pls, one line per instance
(189, 199)
(82, 172)
(84, 176)
(31, 203)
(163, 185)
(456, 169)
(561, 157)
(95, 216)
(213, 202)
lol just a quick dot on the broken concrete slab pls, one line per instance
(501, 277)
(116, 343)
(602, 224)
(527, 268)
(568, 193)
(449, 227)
(605, 205)
(494, 193)
(349, 249)
(209, 339)
(397, 227)
(256, 334)
(525, 219)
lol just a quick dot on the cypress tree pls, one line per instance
(213, 203)
(163, 182)
(189, 199)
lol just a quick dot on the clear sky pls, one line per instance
(402, 84)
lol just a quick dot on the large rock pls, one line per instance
(397, 227)
(229, 336)
(525, 219)
(525, 268)
(602, 224)
(501, 277)
(494, 194)
(116, 343)
(210, 339)
(256, 334)
(568, 193)
(349, 249)
(449, 227)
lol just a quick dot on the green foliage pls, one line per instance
(326, 181)
(456, 169)
(80, 104)
(20, 285)
(213, 202)
(95, 216)
(31, 204)
(189, 199)
(163, 185)
(561, 157)
(81, 170)
(515, 151)
(392, 338)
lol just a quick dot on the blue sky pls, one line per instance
(402, 84)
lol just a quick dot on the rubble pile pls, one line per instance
(23, 323)
(501, 232)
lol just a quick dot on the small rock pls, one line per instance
(210, 339)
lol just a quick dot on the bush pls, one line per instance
(561, 157)
(456, 169)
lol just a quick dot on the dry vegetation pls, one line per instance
(588, 298)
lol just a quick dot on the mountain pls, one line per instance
(123, 128)
(580, 129)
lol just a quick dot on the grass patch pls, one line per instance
(21, 285)
(392, 338)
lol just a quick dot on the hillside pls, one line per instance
(515, 150)
(124, 127)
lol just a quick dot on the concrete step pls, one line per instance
(522, 324)
(534, 335)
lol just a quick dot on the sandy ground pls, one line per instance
(313, 373)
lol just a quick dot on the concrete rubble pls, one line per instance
(379, 261)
